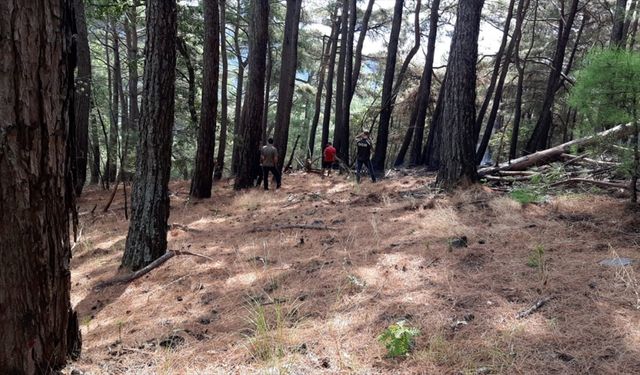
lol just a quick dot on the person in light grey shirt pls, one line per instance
(269, 162)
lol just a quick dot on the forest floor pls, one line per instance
(304, 301)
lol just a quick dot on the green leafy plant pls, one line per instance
(398, 339)
(538, 261)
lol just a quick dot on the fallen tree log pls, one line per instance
(293, 226)
(554, 153)
(604, 184)
(143, 271)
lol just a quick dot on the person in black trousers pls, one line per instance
(365, 146)
(269, 162)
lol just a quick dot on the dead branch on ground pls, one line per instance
(541, 302)
(292, 226)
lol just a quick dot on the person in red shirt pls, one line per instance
(328, 159)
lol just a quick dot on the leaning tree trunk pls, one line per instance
(457, 150)
(326, 117)
(318, 99)
(203, 173)
(147, 237)
(39, 328)
(497, 99)
(357, 64)
(415, 130)
(82, 98)
(382, 138)
(224, 119)
(287, 78)
(339, 142)
(250, 120)
(538, 140)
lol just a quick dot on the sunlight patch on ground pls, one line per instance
(110, 242)
(243, 279)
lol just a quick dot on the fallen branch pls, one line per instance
(508, 178)
(143, 271)
(587, 160)
(604, 184)
(554, 153)
(183, 228)
(293, 226)
(533, 308)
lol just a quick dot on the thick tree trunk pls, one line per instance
(540, 135)
(431, 151)
(288, 70)
(345, 111)
(235, 157)
(37, 139)
(203, 173)
(266, 128)
(457, 150)
(250, 129)
(415, 129)
(147, 237)
(326, 117)
(82, 98)
(224, 117)
(497, 99)
(339, 142)
(382, 138)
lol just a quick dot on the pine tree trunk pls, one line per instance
(287, 78)
(266, 128)
(82, 98)
(415, 129)
(250, 130)
(183, 49)
(95, 152)
(431, 151)
(382, 138)
(339, 142)
(364, 27)
(147, 237)
(496, 70)
(224, 116)
(497, 99)
(37, 139)
(131, 30)
(203, 173)
(540, 135)
(347, 96)
(326, 117)
(457, 150)
(235, 157)
(326, 46)
(617, 31)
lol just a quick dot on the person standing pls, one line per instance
(365, 146)
(328, 159)
(269, 162)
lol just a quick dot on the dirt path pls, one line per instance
(314, 300)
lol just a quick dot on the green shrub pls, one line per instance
(526, 196)
(398, 339)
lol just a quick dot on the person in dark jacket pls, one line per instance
(269, 162)
(364, 149)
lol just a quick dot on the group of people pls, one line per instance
(269, 160)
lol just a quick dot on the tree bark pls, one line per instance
(364, 26)
(540, 135)
(617, 30)
(326, 46)
(239, 90)
(326, 117)
(496, 70)
(250, 121)
(457, 150)
(415, 130)
(339, 142)
(147, 237)
(95, 152)
(114, 109)
(288, 70)
(37, 139)
(224, 117)
(431, 151)
(497, 99)
(82, 98)
(521, 67)
(183, 49)
(131, 31)
(203, 173)
(382, 137)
